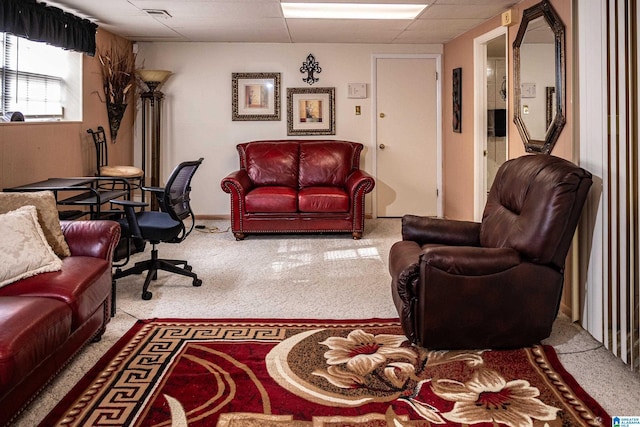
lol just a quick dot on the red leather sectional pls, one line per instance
(298, 186)
(46, 319)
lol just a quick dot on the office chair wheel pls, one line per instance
(188, 267)
(197, 282)
(146, 295)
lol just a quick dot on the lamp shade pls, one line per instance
(154, 78)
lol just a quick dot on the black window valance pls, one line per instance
(39, 22)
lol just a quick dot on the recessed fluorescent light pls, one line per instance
(351, 10)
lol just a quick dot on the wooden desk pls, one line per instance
(86, 192)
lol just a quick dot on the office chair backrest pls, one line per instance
(176, 199)
(100, 142)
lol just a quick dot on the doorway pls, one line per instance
(491, 112)
(406, 127)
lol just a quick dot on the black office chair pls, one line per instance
(164, 226)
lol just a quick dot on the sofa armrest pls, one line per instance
(96, 238)
(437, 230)
(237, 182)
(359, 179)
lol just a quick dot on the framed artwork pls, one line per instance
(457, 100)
(311, 111)
(255, 96)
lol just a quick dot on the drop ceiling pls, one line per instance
(262, 21)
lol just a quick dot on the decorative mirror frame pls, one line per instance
(557, 26)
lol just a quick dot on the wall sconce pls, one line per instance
(152, 97)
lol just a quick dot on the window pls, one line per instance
(39, 80)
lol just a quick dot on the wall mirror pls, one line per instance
(539, 78)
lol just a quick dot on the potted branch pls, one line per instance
(118, 78)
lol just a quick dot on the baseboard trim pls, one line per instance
(213, 217)
(205, 217)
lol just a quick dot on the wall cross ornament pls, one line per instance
(310, 66)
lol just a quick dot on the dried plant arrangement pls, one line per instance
(118, 79)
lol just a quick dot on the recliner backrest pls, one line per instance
(534, 206)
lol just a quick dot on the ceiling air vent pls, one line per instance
(158, 13)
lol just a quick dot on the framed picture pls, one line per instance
(311, 111)
(457, 100)
(255, 96)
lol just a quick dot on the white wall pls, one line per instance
(534, 68)
(197, 107)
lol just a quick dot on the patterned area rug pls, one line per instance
(172, 372)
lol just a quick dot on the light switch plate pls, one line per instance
(357, 90)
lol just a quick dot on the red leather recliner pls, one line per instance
(498, 283)
(294, 186)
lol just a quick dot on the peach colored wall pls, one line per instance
(34, 151)
(458, 148)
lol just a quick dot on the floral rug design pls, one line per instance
(314, 373)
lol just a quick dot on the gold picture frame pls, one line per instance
(255, 96)
(311, 111)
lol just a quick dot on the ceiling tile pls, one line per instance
(461, 11)
(262, 20)
(446, 25)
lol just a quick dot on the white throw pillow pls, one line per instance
(24, 250)
(45, 203)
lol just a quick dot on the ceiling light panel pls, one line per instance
(351, 10)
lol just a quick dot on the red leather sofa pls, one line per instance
(47, 318)
(298, 186)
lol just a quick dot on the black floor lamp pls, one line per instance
(151, 120)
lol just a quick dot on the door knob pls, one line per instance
(382, 115)
(381, 146)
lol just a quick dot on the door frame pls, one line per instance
(480, 111)
(374, 122)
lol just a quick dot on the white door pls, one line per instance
(407, 134)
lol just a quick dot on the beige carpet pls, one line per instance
(307, 276)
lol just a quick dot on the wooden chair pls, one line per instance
(133, 174)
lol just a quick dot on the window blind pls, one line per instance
(33, 94)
